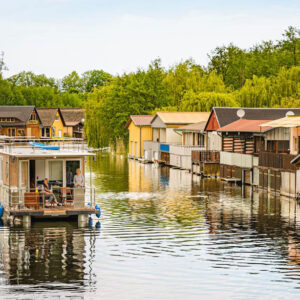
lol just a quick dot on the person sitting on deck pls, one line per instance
(78, 179)
(49, 196)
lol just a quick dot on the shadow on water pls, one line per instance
(165, 234)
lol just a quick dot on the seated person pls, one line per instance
(78, 179)
(49, 196)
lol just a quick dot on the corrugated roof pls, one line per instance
(227, 115)
(21, 113)
(182, 117)
(197, 127)
(284, 122)
(140, 120)
(72, 116)
(244, 125)
(47, 116)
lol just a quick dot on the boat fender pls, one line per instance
(90, 221)
(98, 225)
(98, 214)
(1, 211)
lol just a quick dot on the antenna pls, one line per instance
(289, 113)
(240, 113)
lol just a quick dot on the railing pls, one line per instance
(21, 145)
(277, 161)
(206, 156)
(33, 199)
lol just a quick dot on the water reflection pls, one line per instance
(47, 254)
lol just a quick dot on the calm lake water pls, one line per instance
(165, 234)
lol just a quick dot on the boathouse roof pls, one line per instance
(181, 118)
(140, 120)
(72, 116)
(197, 127)
(226, 115)
(244, 125)
(288, 122)
(47, 115)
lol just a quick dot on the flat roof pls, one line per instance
(244, 125)
(288, 122)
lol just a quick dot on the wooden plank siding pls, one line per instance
(205, 156)
(276, 161)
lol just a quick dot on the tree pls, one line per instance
(95, 78)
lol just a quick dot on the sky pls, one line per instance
(55, 37)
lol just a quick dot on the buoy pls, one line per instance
(98, 214)
(98, 225)
(1, 211)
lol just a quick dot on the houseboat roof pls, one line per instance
(227, 115)
(197, 127)
(72, 116)
(289, 122)
(21, 113)
(140, 120)
(244, 125)
(181, 118)
(47, 115)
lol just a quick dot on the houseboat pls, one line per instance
(37, 180)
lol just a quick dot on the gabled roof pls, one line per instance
(244, 125)
(140, 120)
(288, 122)
(47, 115)
(72, 116)
(178, 118)
(21, 113)
(197, 127)
(227, 115)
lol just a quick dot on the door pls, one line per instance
(29, 132)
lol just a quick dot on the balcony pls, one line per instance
(205, 156)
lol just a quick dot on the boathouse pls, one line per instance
(242, 140)
(140, 130)
(164, 125)
(279, 164)
(220, 117)
(192, 139)
(17, 121)
(52, 123)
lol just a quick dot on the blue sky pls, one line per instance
(55, 37)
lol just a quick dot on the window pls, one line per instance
(56, 173)
(20, 132)
(56, 117)
(33, 117)
(53, 131)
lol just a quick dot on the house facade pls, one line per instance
(52, 123)
(73, 119)
(140, 130)
(19, 121)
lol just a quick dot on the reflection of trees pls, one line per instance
(46, 253)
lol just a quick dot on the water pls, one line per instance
(165, 234)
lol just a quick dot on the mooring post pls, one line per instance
(82, 220)
(26, 221)
(269, 181)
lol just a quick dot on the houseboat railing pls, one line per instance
(33, 199)
(277, 161)
(11, 145)
(206, 156)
